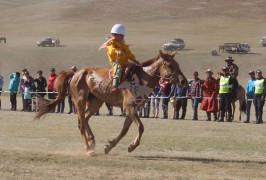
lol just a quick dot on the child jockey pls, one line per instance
(118, 53)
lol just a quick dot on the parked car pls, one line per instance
(263, 41)
(48, 42)
(235, 47)
(174, 44)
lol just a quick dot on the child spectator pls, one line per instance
(27, 96)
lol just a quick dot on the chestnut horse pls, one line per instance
(93, 84)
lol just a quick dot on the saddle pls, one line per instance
(126, 74)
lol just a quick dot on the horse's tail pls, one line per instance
(244, 107)
(46, 106)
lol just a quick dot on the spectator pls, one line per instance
(172, 99)
(61, 106)
(41, 83)
(210, 102)
(13, 88)
(227, 90)
(259, 96)
(70, 102)
(1, 88)
(22, 87)
(51, 80)
(110, 109)
(233, 68)
(31, 85)
(155, 101)
(165, 91)
(250, 94)
(195, 93)
(147, 107)
(181, 101)
(27, 96)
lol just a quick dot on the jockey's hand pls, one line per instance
(136, 62)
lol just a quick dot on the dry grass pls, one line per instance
(52, 149)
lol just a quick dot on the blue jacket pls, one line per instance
(14, 82)
(250, 87)
(181, 92)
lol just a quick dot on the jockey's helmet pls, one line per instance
(118, 29)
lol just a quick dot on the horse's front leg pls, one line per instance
(114, 142)
(134, 117)
(95, 105)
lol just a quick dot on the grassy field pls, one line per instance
(53, 149)
(182, 149)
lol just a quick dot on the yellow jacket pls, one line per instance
(112, 47)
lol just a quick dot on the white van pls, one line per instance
(263, 41)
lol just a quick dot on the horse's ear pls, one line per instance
(161, 53)
(173, 54)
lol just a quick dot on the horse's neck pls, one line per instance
(150, 74)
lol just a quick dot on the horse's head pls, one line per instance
(170, 70)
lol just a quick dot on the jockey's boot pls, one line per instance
(114, 88)
(115, 85)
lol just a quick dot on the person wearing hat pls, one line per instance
(195, 93)
(227, 90)
(210, 91)
(233, 68)
(249, 94)
(259, 96)
(118, 53)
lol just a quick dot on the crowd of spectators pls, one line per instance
(208, 94)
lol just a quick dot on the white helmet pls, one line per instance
(118, 29)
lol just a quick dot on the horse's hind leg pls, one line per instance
(114, 142)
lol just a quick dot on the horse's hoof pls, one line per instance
(130, 148)
(91, 153)
(107, 149)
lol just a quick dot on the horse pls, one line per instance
(2, 39)
(93, 84)
(240, 96)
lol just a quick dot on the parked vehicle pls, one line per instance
(235, 47)
(263, 41)
(48, 42)
(174, 44)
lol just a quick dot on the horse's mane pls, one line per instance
(149, 62)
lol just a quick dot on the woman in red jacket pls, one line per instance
(210, 90)
(51, 80)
